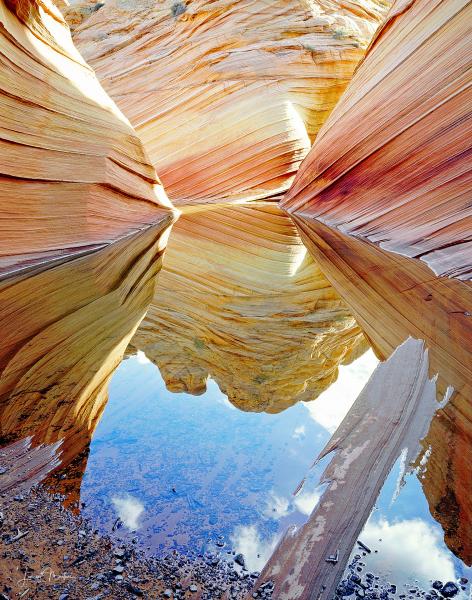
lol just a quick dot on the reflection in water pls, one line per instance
(64, 332)
(129, 510)
(403, 542)
(243, 316)
(240, 299)
(400, 297)
(198, 468)
(408, 546)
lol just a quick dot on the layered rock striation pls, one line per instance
(381, 203)
(226, 96)
(240, 300)
(56, 362)
(392, 163)
(73, 173)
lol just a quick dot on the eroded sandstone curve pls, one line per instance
(56, 362)
(392, 162)
(73, 172)
(240, 299)
(226, 96)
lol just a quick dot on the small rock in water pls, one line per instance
(437, 585)
(239, 559)
(449, 589)
(463, 580)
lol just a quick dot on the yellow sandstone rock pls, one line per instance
(227, 96)
(240, 299)
(73, 173)
(56, 362)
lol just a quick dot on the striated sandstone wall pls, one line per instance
(381, 203)
(56, 362)
(240, 299)
(226, 95)
(73, 173)
(392, 163)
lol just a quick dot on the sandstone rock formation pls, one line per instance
(381, 204)
(73, 173)
(56, 362)
(239, 299)
(447, 480)
(392, 163)
(226, 96)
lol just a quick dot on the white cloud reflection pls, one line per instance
(330, 408)
(247, 541)
(305, 502)
(142, 358)
(410, 549)
(129, 510)
(299, 432)
(277, 506)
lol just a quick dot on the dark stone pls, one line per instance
(449, 589)
(437, 585)
(178, 8)
(239, 560)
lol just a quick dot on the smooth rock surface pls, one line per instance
(73, 173)
(226, 96)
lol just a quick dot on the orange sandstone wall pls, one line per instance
(73, 173)
(392, 163)
(227, 96)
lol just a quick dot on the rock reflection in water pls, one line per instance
(240, 299)
(392, 298)
(194, 470)
(64, 332)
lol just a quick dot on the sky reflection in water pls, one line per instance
(185, 471)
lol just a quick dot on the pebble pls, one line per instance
(193, 588)
(239, 559)
(449, 589)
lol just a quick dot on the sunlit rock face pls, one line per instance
(226, 96)
(380, 203)
(73, 173)
(65, 328)
(240, 299)
(392, 163)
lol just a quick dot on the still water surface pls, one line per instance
(193, 473)
(240, 309)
